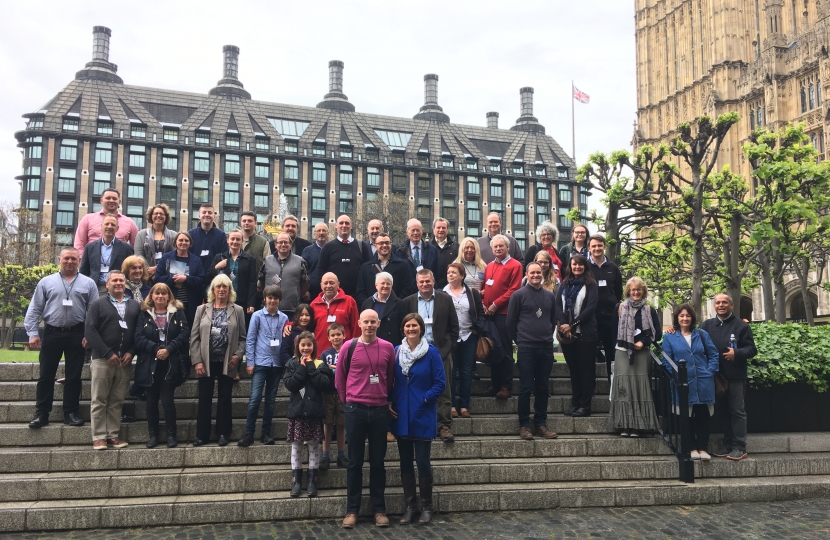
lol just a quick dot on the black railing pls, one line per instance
(670, 390)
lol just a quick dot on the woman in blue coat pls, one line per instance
(419, 381)
(183, 272)
(695, 347)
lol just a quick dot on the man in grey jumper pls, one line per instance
(531, 321)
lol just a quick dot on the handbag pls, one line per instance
(483, 348)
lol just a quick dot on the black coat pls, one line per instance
(586, 321)
(245, 281)
(316, 380)
(403, 278)
(91, 260)
(390, 322)
(147, 344)
(445, 321)
(446, 255)
(720, 332)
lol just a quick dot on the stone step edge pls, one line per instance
(274, 506)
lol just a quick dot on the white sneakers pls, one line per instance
(702, 455)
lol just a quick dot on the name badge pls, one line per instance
(157, 255)
(122, 324)
(105, 268)
(374, 379)
(556, 267)
(215, 331)
(602, 283)
(637, 332)
(331, 318)
(275, 343)
(232, 276)
(345, 260)
(490, 282)
(277, 279)
(419, 268)
(428, 320)
(67, 302)
(162, 336)
(205, 253)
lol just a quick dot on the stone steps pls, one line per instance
(236, 507)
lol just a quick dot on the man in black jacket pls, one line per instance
(101, 255)
(447, 250)
(609, 280)
(389, 307)
(110, 330)
(344, 256)
(733, 366)
(290, 225)
(385, 260)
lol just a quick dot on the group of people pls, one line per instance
(375, 342)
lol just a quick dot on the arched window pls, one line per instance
(803, 100)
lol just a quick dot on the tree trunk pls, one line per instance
(732, 253)
(778, 283)
(802, 270)
(766, 287)
(612, 233)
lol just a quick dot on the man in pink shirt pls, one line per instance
(89, 228)
(364, 378)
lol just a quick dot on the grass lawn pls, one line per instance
(18, 356)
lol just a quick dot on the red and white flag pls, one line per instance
(580, 96)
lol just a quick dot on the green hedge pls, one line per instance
(790, 353)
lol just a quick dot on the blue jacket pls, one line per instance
(415, 398)
(215, 241)
(195, 283)
(701, 363)
(263, 328)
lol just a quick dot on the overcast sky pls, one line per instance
(483, 52)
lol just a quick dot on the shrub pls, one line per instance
(790, 353)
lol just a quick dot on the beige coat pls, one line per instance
(200, 337)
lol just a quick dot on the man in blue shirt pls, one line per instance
(262, 352)
(311, 256)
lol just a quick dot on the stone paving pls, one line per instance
(804, 519)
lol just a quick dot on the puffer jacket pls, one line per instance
(147, 343)
(316, 380)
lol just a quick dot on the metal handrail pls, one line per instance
(670, 391)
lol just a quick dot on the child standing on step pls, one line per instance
(333, 405)
(307, 378)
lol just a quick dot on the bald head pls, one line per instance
(723, 305)
(330, 285)
(368, 324)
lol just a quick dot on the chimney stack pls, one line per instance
(336, 99)
(230, 86)
(100, 68)
(493, 120)
(527, 122)
(431, 110)
(231, 54)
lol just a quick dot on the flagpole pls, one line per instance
(573, 125)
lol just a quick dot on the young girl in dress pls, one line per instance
(307, 378)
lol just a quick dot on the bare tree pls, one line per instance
(391, 209)
(24, 239)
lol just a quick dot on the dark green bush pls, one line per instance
(790, 353)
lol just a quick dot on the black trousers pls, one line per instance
(607, 332)
(164, 390)
(223, 403)
(364, 423)
(501, 373)
(57, 343)
(579, 355)
(699, 424)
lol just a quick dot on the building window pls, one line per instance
(449, 211)
(473, 214)
(262, 168)
(232, 164)
(423, 159)
(200, 191)
(261, 198)
(447, 161)
(424, 210)
(103, 153)
(517, 168)
(565, 195)
(101, 181)
(35, 123)
(231, 193)
(170, 135)
(373, 177)
(397, 158)
(473, 186)
(346, 175)
(291, 197)
(31, 171)
(495, 188)
(519, 219)
(289, 128)
(170, 159)
(562, 173)
(33, 184)
(291, 171)
(318, 199)
(542, 213)
(135, 187)
(372, 154)
(201, 162)
(346, 152)
(542, 193)
(202, 137)
(262, 145)
(65, 214)
(519, 191)
(812, 95)
(424, 183)
(169, 189)
(583, 198)
(66, 180)
(290, 147)
(540, 170)
(104, 128)
(448, 183)
(564, 222)
(399, 182)
(318, 172)
(318, 149)
(136, 213)
(71, 124)
(69, 150)
(232, 141)
(138, 132)
(137, 156)
(394, 139)
(346, 203)
(34, 152)
(33, 204)
(495, 166)
(472, 165)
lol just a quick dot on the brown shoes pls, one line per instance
(524, 433)
(545, 433)
(454, 413)
(465, 413)
(350, 521)
(445, 434)
(99, 444)
(490, 392)
(381, 520)
(504, 393)
(117, 443)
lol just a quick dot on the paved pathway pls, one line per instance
(805, 519)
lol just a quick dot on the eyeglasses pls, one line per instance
(383, 243)
(283, 243)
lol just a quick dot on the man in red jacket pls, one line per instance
(333, 306)
(502, 278)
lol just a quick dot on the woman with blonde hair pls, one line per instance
(138, 278)
(549, 279)
(162, 339)
(469, 254)
(217, 343)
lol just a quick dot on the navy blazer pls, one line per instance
(195, 283)
(429, 256)
(91, 260)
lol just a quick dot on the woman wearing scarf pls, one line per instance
(419, 381)
(138, 281)
(576, 302)
(548, 235)
(638, 326)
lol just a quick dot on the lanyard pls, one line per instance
(272, 328)
(71, 286)
(376, 364)
(426, 305)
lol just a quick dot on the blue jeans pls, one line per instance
(366, 423)
(535, 365)
(269, 378)
(464, 360)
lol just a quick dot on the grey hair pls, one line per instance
(237, 230)
(292, 217)
(547, 227)
(500, 237)
(380, 276)
(412, 222)
(438, 220)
